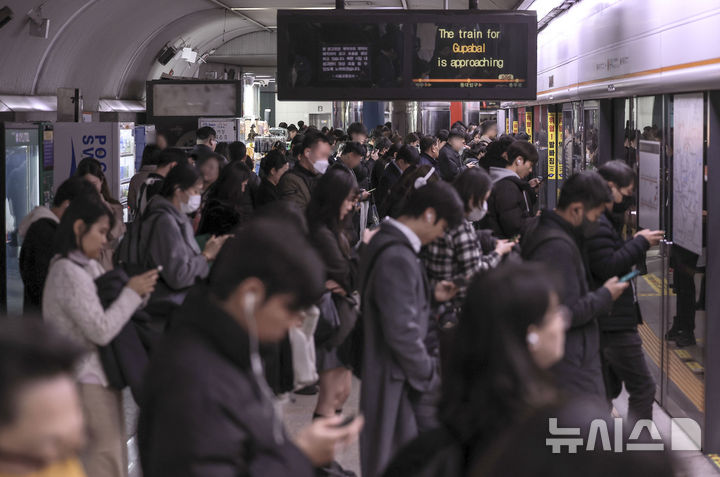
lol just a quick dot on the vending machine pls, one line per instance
(20, 151)
(112, 144)
(144, 134)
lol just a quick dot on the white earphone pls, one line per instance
(533, 339)
(422, 181)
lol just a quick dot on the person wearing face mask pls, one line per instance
(510, 204)
(167, 240)
(39, 402)
(609, 255)
(511, 331)
(208, 410)
(400, 375)
(457, 255)
(297, 184)
(71, 303)
(556, 239)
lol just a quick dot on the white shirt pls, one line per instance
(407, 232)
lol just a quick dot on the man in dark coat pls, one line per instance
(207, 409)
(297, 184)
(429, 151)
(38, 232)
(206, 139)
(399, 373)
(556, 239)
(449, 161)
(407, 156)
(609, 255)
(510, 203)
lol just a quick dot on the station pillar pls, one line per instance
(373, 114)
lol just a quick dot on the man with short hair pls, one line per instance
(449, 162)
(41, 418)
(297, 184)
(207, 409)
(556, 239)
(429, 151)
(357, 132)
(406, 157)
(510, 205)
(38, 229)
(400, 375)
(413, 140)
(206, 141)
(351, 156)
(168, 159)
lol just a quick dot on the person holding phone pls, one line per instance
(609, 255)
(457, 255)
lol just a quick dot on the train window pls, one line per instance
(591, 131)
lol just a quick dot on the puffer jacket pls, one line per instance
(609, 256)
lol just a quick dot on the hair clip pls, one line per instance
(422, 181)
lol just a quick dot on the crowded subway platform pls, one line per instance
(385, 238)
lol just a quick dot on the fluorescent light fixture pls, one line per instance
(189, 55)
(543, 7)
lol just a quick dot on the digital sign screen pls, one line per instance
(413, 55)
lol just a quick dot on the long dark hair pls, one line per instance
(330, 192)
(492, 379)
(89, 209)
(228, 187)
(93, 167)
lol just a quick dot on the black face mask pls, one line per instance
(627, 202)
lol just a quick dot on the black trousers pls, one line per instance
(624, 362)
(684, 263)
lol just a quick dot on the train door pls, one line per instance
(671, 137)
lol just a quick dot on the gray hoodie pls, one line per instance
(499, 173)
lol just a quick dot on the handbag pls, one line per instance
(302, 344)
(328, 322)
(348, 310)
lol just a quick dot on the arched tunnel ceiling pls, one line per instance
(107, 48)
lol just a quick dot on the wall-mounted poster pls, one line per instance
(649, 185)
(688, 171)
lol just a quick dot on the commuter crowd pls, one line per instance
(422, 265)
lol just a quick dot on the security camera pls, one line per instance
(6, 14)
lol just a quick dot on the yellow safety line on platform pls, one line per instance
(690, 385)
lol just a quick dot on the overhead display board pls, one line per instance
(412, 55)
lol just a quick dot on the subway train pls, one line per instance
(630, 80)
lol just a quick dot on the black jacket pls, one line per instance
(509, 207)
(449, 163)
(35, 255)
(204, 412)
(553, 241)
(611, 256)
(377, 172)
(266, 193)
(389, 178)
(219, 217)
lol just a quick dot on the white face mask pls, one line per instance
(478, 213)
(321, 166)
(192, 204)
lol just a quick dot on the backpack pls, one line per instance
(129, 255)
